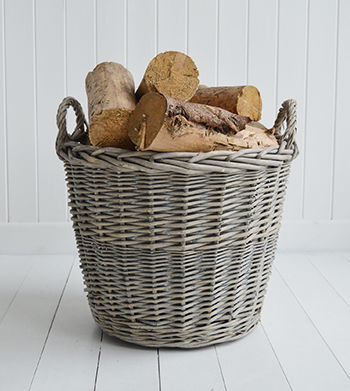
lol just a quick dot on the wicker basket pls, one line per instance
(176, 248)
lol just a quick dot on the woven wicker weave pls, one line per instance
(176, 248)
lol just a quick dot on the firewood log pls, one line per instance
(170, 73)
(166, 124)
(242, 100)
(255, 135)
(110, 129)
(111, 98)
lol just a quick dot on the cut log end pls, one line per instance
(148, 115)
(170, 73)
(249, 103)
(110, 129)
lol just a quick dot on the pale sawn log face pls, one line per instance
(110, 85)
(172, 74)
(110, 129)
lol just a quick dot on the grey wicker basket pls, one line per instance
(176, 248)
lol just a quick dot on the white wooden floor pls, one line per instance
(49, 341)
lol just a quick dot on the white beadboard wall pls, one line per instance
(289, 49)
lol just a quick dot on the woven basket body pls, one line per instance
(176, 248)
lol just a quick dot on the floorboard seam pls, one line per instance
(98, 361)
(51, 324)
(159, 375)
(221, 372)
(313, 324)
(274, 352)
(14, 297)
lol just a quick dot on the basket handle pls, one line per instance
(288, 113)
(79, 133)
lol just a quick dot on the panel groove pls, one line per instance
(5, 128)
(247, 42)
(335, 101)
(306, 107)
(35, 109)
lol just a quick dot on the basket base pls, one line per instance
(195, 337)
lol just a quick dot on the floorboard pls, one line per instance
(194, 369)
(24, 329)
(306, 359)
(335, 268)
(250, 361)
(325, 308)
(69, 360)
(14, 270)
(49, 341)
(127, 367)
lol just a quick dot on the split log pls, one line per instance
(109, 86)
(255, 135)
(170, 73)
(242, 100)
(111, 98)
(166, 124)
(110, 129)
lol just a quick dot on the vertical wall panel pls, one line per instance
(172, 25)
(110, 32)
(21, 131)
(202, 38)
(50, 92)
(287, 49)
(291, 84)
(3, 138)
(341, 198)
(262, 40)
(320, 109)
(141, 27)
(80, 42)
(232, 42)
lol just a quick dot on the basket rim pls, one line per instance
(72, 149)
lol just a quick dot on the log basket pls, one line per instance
(176, 249)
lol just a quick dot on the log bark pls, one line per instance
(165, 124)
(242, 100)
(170, 73)
(109, 86)
(110, 129)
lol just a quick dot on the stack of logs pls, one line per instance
(170, 111)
